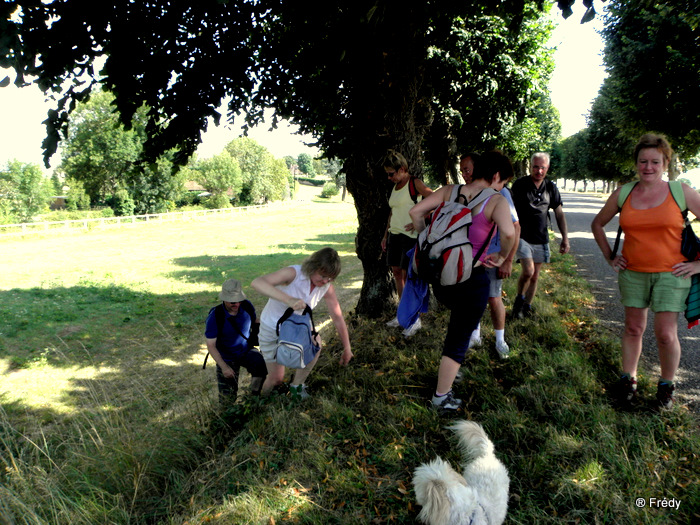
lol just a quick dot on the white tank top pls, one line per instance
(299, 288)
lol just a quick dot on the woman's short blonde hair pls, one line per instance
(395, 160)
(655, 141)
(326, 261)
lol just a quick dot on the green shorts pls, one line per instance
(662, 292)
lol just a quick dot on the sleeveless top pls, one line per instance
(400, 202)
(652, 237)
(299, 288)
(479, 230)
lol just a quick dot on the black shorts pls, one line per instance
(396, 247)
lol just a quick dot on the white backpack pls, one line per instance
(443, 251)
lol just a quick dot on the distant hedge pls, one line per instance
(311, 182)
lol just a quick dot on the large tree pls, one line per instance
(359, 75)
(652, 55)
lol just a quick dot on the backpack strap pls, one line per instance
(455, 193)
(287, 314)
(622, 197)
(676, 188)
(624, 194)
(483, 195)
(412, 190)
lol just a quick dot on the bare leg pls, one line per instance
(635, 325)
(498, 313)
(399, 278)
(446, 374)
(275, 376)
(666, 330)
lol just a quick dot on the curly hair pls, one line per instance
(325, 260)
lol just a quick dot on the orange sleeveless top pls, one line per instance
(652, 237)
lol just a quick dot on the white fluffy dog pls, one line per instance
(478, 497)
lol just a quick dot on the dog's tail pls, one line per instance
(438, 488)
(472, 439)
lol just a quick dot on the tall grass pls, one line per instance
(107, 416)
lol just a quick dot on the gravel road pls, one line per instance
(580, 209)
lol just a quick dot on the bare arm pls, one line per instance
(214, 352)
(498, 211)
(506, 269)
(339, 321)
(267, 285)
(422, 188)
(604, 216)
(563, 229)
(427, 205)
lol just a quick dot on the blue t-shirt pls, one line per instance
(230, 343)
(496, 242)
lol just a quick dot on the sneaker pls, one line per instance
(625, 389)
(664, 395)
(447, 402)
(502, 349)
(299, 393)
(527, 311)
(393, 323)
(474, 340)
(517, 307)
(408, 332)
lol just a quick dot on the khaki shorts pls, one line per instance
(661, 292)
(539, 253)
(495, 284)
(268, 342)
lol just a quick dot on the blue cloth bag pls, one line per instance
(415, 297)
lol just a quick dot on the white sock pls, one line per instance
(477, 331)
(500, 335)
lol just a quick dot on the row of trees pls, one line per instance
(101, 165)
(429, 78)
(652, 56)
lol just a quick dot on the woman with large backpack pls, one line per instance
(297, 287)
(467, 300)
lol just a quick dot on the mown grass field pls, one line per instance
(107, 416)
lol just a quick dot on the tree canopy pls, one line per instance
(652, 55)
(426, 78)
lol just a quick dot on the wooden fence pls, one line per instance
(7, 230)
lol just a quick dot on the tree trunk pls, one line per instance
(369, 189)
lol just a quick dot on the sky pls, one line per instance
(575, 82)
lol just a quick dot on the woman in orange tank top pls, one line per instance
(652, 271)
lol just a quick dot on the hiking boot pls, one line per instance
(299, 393)
(527, 311)
(518, 307)
(664, 395)
(408, 332)
(625, 390)
(447, 402)
(474, 340)
(502, 349)
(394, 323)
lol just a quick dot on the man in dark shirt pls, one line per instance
(533, 197)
